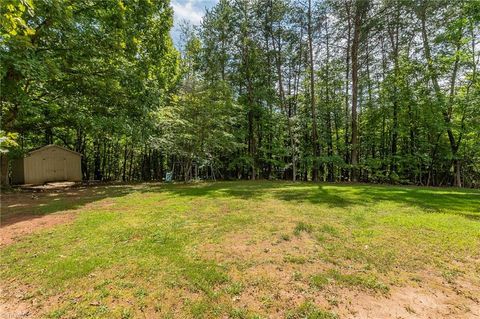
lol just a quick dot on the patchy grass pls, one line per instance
(364, 281)
(226, 250)
(295, 259)
(302, 227)
(308, 310)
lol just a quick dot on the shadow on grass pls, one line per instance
(435, 200)
(27, 205)
(318, 195)
(22, 206)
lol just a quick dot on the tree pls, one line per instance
(361, 7)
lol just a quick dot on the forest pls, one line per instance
(375, 91)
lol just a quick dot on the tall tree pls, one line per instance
(361, 7)
(313, 106)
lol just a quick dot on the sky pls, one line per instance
(191, 11)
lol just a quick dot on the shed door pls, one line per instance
(54, 166)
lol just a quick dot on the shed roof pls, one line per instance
(50, 146)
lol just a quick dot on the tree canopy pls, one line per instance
(355, 90)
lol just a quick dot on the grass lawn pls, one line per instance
(247, 250)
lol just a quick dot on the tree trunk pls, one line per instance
(446, 109)
(330, 167)
(360, 10)
(124, 167)
(97, 162)
(130, 166)
(346, 173)
(278, 59)
(458, 173)
(393, 31)
(312, 96)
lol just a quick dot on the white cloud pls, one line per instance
(191, 11)
(187, 11)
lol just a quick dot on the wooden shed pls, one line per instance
(51, 163)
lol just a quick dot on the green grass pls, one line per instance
(200, 250)
(302, 227)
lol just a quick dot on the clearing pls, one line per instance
(241, 250)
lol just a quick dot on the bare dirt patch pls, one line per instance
(12, 306)
(15, 310)
(20, 226)
(434, 301)
(24, 212)
(50, 186)
(276, 279)
(21, 212)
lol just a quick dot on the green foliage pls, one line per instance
(104, 79)
(12, 18)
(85, 74)
(7, 141)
